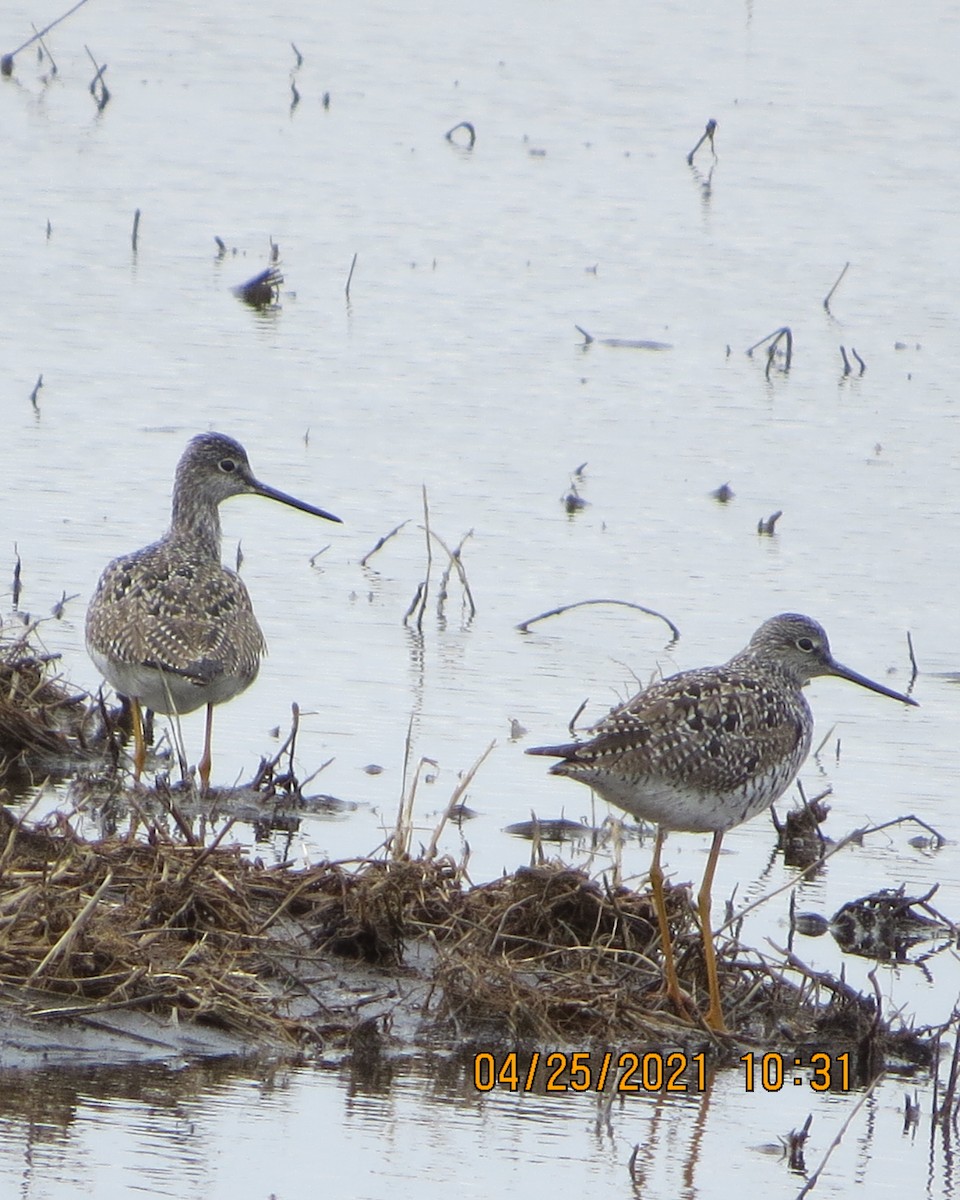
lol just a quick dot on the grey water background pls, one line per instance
(456, 367)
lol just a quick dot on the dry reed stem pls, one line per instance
(455, 799)
(45, 29)
(829, 296)
(63, 943)
(456, 562)
(425, 586)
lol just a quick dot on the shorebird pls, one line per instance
(705, 750)
(169, 626)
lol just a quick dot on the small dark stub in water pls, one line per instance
(557, 829)
(263, 290)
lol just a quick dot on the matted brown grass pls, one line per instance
(40, 717)
(307, 956)
(545, 953)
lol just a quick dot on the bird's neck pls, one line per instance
(197, 524)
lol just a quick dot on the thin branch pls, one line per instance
(382, 542)
(46, 29)
(571, 724)
(455, 561)
(17, 584)
(946, 1108)
(98, 78)
(43, 47)
(424, 588)
(859, 834)
(829, 296)
(775, 336)
(915, 670)
(786, 334)
(208, 850)
(524, 626)
(414, 602)
(707, 135)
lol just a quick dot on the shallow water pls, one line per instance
(456, 366)
(212, 1133)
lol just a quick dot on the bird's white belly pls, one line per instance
(165, 692)
(692, 810)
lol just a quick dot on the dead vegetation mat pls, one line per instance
(267, 952)
(42, 720)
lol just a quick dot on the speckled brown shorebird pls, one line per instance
(705, 750)
(169, 626)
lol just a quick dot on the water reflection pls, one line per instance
(217, 1130)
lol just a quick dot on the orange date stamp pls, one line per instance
(623, 1072)
(632, 1072)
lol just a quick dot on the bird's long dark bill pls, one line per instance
(854, 677)
(264, 489)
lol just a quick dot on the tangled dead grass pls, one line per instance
(162, 927)
(41, 719)
(169, 925)
(269, 953)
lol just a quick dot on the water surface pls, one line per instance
(456, 366)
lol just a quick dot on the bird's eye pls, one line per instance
(228, 465)
(805, 644)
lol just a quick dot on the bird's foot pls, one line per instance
(681, 1003)
(685, 1008)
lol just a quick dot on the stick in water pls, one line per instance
(708, 133)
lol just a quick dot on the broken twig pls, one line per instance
(6, 62)
(104, 96)
(524, 626)
(829, 296)
(382, 542)
(707, 136)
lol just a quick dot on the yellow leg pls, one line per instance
(139, 742)
(203, 769)
(714, 1017)
(660, 904)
